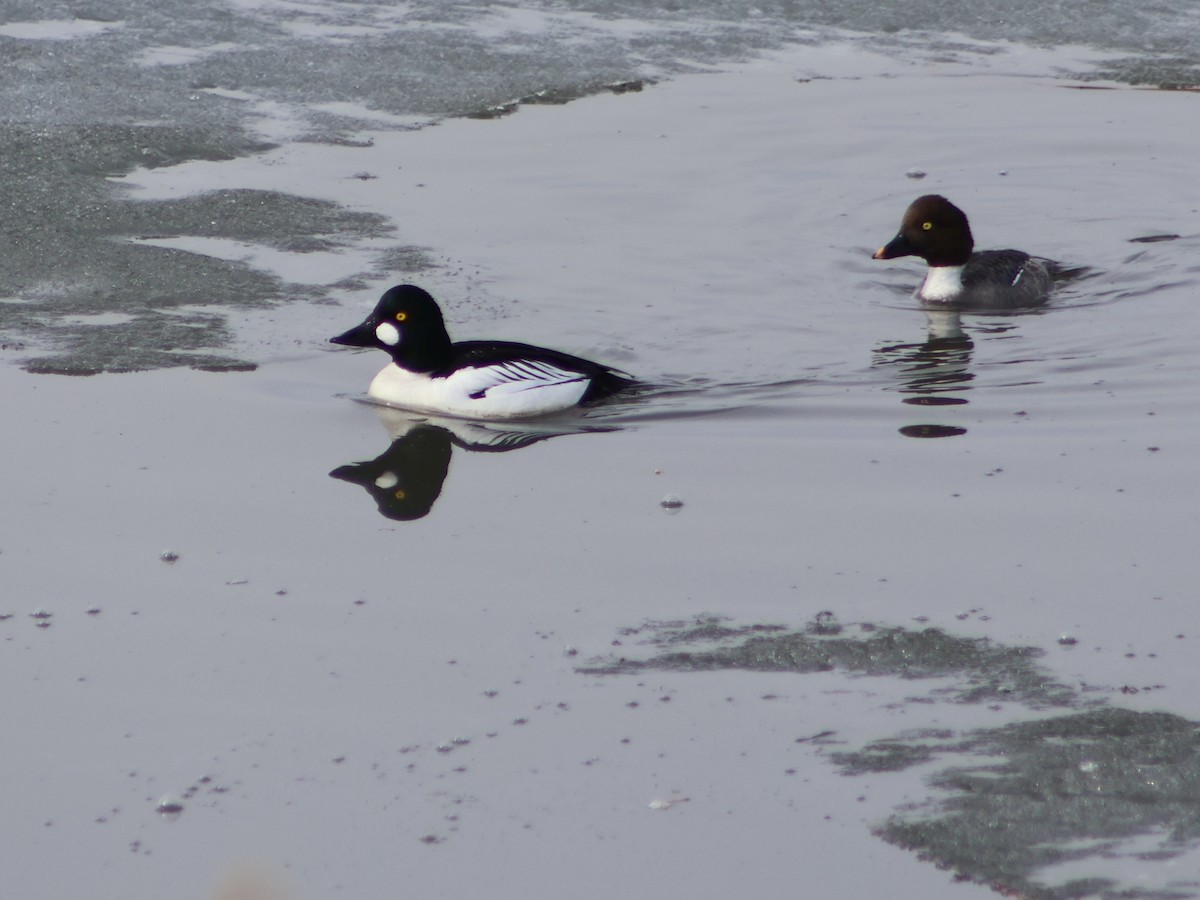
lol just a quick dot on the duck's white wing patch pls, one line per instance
(513, 389)
(514, 377)
(518, 387)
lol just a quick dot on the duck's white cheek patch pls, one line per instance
(387, 333)
(387, 481)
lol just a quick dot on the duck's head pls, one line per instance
(934, 229)
(407, 323)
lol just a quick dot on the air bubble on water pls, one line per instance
(670, 501)
(169, 807)
(168, 556)
(914, 174)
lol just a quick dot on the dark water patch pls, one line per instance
(283, 221)
(1169, 73)
(67, 254)
(987, 672)
(699, 629)
(934, 401)
(151, 340)
(932, 430)
(1092, 787)
(1158, 44)
(423, 58)
(1040, 809)
(1154, 238)
(70, 250)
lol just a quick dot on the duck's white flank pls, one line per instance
(509, 390)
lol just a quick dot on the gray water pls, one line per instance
(855, 600)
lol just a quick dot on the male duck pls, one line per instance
(470, 379)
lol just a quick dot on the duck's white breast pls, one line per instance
(942, 284)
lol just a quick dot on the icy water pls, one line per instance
(854, 601)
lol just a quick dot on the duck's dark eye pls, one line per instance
(401, 316)
(925, 226)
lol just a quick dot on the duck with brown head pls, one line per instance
(936, 230)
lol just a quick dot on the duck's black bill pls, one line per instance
(359, 336)
(898, 246)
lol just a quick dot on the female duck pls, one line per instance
(937, 231)
(470, 379)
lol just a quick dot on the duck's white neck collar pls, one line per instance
(942, 283)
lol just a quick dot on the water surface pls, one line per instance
(929, 572)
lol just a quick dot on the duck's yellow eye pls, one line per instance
(401, 316)
(925, 226)
(400, 494)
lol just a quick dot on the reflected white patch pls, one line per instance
(944, 323)
(387, 333)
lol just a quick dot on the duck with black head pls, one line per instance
(470, 379)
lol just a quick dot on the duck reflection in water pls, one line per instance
(406, 479)
(936, 371)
